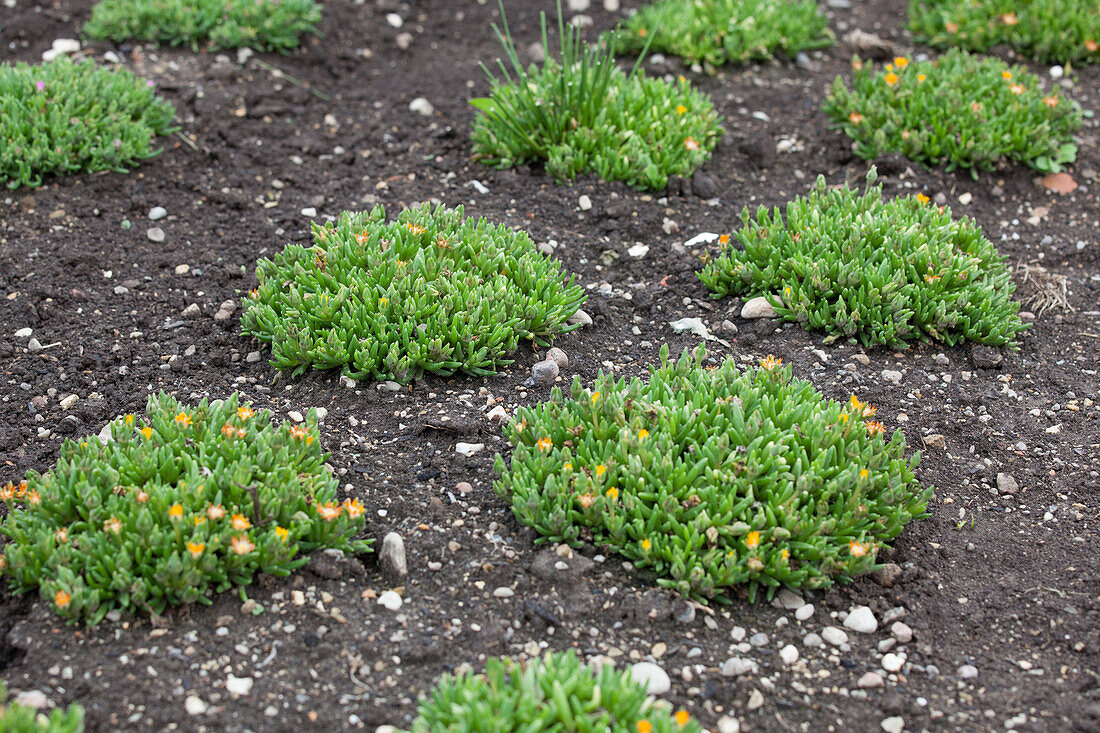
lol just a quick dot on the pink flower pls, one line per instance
(40, 85)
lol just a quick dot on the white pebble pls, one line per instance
(23, 333)
(758, 307)
(584, 202)
(238, 685)
(194, 706)
(861, 619)
(893, 724)
(422, 107)
(737, 666)
(157, 213)
(395, 20)
(309, 211)
(654, 678)
(390, 599)
(469, 449)
(893, 662)
(155, 234)
(805, 612)
(503, 592)
(834, 636)
(789, 654)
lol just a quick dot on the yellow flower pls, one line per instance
(864, 473)
(353, 508)
(901, 62)
(129, 419)
(922, 198)
(691, 144)
(724, 239)
(175, 511)
(646, 544)
(195, 548)
(240, 521)
(147, 432)
(281, 533)
(863, 408)
(891, 79)
(680, 109)
(382, 301)
(844, 417)
(643, 433)
(1009, 19)
(855, 118)
(752, 539)
(567, 467)
(785, 553)
(199, 519)
(245, 412)
(414, 228)
(215, 512)
(612, 493)
(601, 470)
(241, 545)
(921, 77)
(595, 397)
(183, 419)
(682, 717)
(61, 599)
(544, 443)
(644, 726)
(857, 549)
(770, 362)
(1006, 74)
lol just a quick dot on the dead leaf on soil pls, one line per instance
(1045, 289)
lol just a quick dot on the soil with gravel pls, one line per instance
(1003, 576)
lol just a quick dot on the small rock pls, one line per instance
(194, 706)
(804, 612)
(545, 372)
(559, 357)
(869, 45)
(966, 198)
(66, 45)
(934, 440)
(891, 376)
(182, 269)
(252, 357)
(861, 619)
(584, 202)
(23, 333)
(295, 416)
(726, 724)
(893, 724)
(309, 212)
(469, 449)
(464, 487)
(392, 557)
(893, 662)
(737, 666)
(238, 685)
(887, 575)
(422, 107)
(503, 592)
(789, 654)
(34, 345)
(638, 251)
(394, 20)
(870, 680)
(69, 401)
(756, 700)
(578, 6)
(759, 639)
(35, 699)
(758, 307)
(498, 415)
(986, 357)
(901, 632)
(155, 234)
(811, 641)
(968, 671)
(390, 600)
(834, 636)
(1006, 484)
(654, 678)
(704, 186)
(580, 317)
(192, 311)
(536, 53)
(788, 599)
(1060, 183)
(403, 40)
(157, 213)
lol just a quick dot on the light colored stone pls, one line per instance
(756, 700)
(66, 45)
(578, 6)
(469, 449)
(69, 401)
(737, 666)
(893, 662)
(155, 234)
(182, 269)
(968, 671)
(309, 212)
(758, 307)
(194, 705)
(422, 107)
(295, 416)
(503, 592)
(157, 213)
(580, 317)
(23, 333)
(861, 619)
(584, 202)
(559, 357)
(612, 6)
(891, 376)
(390, 600)
(638, 251)
(901, 632)
(238, 685)
(804, 612)
(893, 724)
(1006, 483)
(392, 556)
(788, 600)
(655, 679)
(870, 680)
(545, 372)
(789, 654)
(834, 636)
(192, 311)
(32, 699)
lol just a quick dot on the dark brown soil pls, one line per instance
(1007, 583)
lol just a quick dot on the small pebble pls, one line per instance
(655, 679)
(157, 213)
(155, 234)
(584, 202)
(390, 600)
(422, 107)
(861, 619)
(545, 372)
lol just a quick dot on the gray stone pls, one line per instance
(757, 307)
(1006, 484)
(559, 357)
(580, 317)
(545, 372)
(887, 575)
(968, 671)
(834, 636)
(192, 311)
(392, 556)
(891, 376)
(901, 632)
(737, 666)
(157, 213)
(155, 234)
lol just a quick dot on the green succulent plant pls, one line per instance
(15, 718)
(970, 112)
(713, 477)
(873, 271)
(60, 117)
(186, 503)
(1050, 31)
(554, 693)
(579, 113)
(724, 31)
(431, 291)
(265, 25)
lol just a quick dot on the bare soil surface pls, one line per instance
(1003, 576)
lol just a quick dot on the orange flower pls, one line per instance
(195, 548)
(1016, 89)
(141, 497)
(752, 539)
(901, 62)
(864, 473)
(1050, 101)
(216, 512)
(724, 239)
(112, 525)
(147, 432)
(442, 242)
(1092, 46)
(241, 545)
(228, 430)
(682, 717)
(240, 521)
(1006, 74)
(7, 492)
(329, 511)
(691, 144)
(595, 397)
(61, 535)
(198, 519)
(875, 428)
(297, 433)
(33, 498)
(770, 362)
(241, 432)
(785, 553)
(587, 500)
(855, 118)
(184, 419)
(844, 417)
(863, 408)
(61, 599)
(921, 77)
(922, 198)
(644, 726)
(680, 109)
(245, 412)
(1009, 19)
(601, 470)
(353, 508)
(975, 106)
(642, 33)
(646, 544)
(905, 134)
(544, 443)
(951, 27)
(857, 64)
(891, 78)
(414, 228)
(857, 549)
(755, 564)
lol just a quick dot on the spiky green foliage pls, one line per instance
(723, 31)
(60, 117)
(880, 272)
(1051, 31)
(713, 476)
(580, 113)
(969, 112)
(20, 719)
(432, 291)
(554, 693)
(173, 509)
(265, 25)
